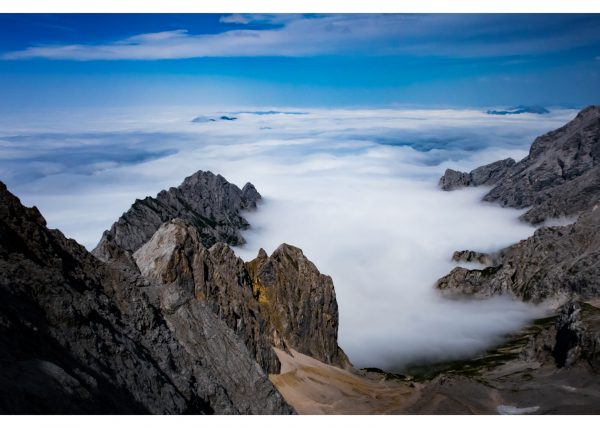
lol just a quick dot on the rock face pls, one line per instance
(577, 336)
(560, 177)
(81, 336)
(472, 257)
(299, 304)
(484, 175)
(279, 301)
(176, 257)
(207, 201)
(561, 174)
(556, 262)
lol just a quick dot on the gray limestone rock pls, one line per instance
(176, 257)
(81, 336)
(559, 177)
(556, 262)
(280, 301)
(207, 201)
(561, 174)
(486, 175)
(472, 257)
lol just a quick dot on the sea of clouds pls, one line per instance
(356, 189)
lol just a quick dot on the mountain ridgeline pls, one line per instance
(162, 317)
(207, 201)
(558, 180)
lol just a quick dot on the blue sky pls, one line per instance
(49, 61)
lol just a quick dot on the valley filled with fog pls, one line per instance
(355, 189)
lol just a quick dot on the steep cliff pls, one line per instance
(278, 301)
(555, 263)
(81, 336)
(206, 201)
(299, 304)
(560, 177)
(483, 176)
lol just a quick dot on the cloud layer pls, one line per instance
(446, 35)
(355, 189)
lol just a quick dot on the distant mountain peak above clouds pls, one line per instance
(206, 119)
(520, 110)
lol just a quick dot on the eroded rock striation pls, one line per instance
(78, 335)
(560, 177)
(299, 304)
(206, 201)
(278, 301)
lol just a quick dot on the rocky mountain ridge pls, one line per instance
(560, 177)
(281, 301)
(206, 201)
(166, 322)
(164, 318)
(83, 336)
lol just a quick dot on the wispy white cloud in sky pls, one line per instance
(295, 35)
(236, 18)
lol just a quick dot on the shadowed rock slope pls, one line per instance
(206, 201)
(278, 301)
(180, 325)
(560, 177)
(81, 336)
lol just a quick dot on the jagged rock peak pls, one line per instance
(560, 176)
(299, 302)
(206, 201)
(11, 207)
(175, 256)
(484, 175)
(278, 301)
(81, 336)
